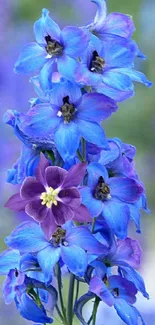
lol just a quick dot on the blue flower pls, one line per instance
(15, 287)
(119, 159)
(112, 27)
(125, 254)
(25, 166)
(68, 243)
(68, 117)
(52, 45)
(114, 291)
(109, 69)
(113, 24)
(110, 197)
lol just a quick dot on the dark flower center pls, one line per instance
(97, 63)
(59, 236)
(67, 110)
(16, 273)
(53, 47)
(102, 190)
(116, 292)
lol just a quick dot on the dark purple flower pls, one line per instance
(52, 197)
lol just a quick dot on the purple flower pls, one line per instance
(110, 197)
(52, 197)
(72, 244)
(52, 45)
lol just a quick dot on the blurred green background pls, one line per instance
(134, 122)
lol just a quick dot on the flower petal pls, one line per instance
(29, 310)
(41, 121)
(75, 258)
(46, 26)
(48, 225)
(96, 107)
(27, 237)
(67, 140)
(47, 259)
(31, 59)
(133, 276)
(95, 170)
(70, 196)
(126, 312)
(81, 214)
(100, 14)
(82, 236)
(117, 217)
(75, 175)
(67, 67)
(129, 251)
(98, 287)
(62, 213)
(118, 24)
(125, 189)
(9, 259)
(40, 170)
(75, 41)
(116, 94)
(31, 189)
(117, 80)
(64, 89)
(94, 206)
(135, 76)
(127, 289)
(16, 203)
(55, 176)
(92, 132)
(36, 210)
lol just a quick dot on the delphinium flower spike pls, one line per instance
(80, 188)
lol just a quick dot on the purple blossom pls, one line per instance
(52, 197)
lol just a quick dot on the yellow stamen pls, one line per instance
(49, 197)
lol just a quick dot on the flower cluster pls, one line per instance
(79, 188)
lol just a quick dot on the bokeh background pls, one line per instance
(134, 122)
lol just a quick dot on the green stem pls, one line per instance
(77, 290)
(94, 314)
(80, 156)
(90, 319)
(58, 272)
(70, 299)
(59, 313)
(93, 225)
(51, 155)
(83, 144)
